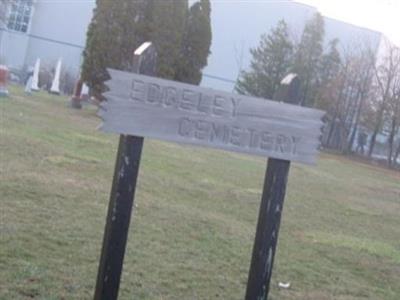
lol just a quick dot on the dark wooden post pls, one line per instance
(122, 195)
(76, 96)
(271, 207)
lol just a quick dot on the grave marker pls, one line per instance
(76, 95)
(3, 81)
(140, 106)
(28, 83)
(84, 92)
(55, 85)
(35, 77)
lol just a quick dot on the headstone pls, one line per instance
(55, 86)
(76, 96)
(85, 92)
(3, 81)
(35, 78)
(28, 83)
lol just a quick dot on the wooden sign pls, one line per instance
(140, 106)
(162, 109)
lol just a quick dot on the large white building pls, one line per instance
(45, 29)
(57, 29)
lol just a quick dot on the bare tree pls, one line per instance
(364, 69)
(393, 117)
(386, 74)
(397, 153)
(333, 96)
(346, 96)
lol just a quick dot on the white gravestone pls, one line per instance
(28, 85)
(35, 78)
(55, 86)
(85, 92)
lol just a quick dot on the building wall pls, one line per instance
(13, 49)
(351, 37)
(3, 13)
(12, 46)
(58, 29)
(238, 25)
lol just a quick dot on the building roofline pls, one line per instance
(338, 20)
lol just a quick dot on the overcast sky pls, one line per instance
(380, 15)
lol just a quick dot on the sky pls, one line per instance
(380, 15)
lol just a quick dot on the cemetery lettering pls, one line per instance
(186, 100)
(162, 109)
(237, 136)
(218, 106)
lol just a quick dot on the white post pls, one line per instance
(85, 92)
(28, 86)
(55, 86)
(35, 78)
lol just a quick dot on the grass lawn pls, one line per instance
(194, 222)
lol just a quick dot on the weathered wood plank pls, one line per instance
(183, 113)
(118, 217)
(271, 207)
(266, 238)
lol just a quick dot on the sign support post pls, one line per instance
(140, 106)
(267, 229)
(270, 212)
(122, 196)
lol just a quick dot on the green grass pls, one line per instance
(194, 222)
